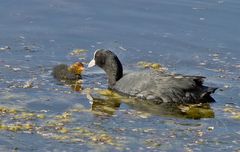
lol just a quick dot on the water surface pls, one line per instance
(190, 37)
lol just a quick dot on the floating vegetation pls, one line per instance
(17, 127)
(16, 120)
(63, 130)
(26, 116)
(65, 117)
(77, 52)
(55, 127)
(197, 111)
(233, 111)
(5, 111)
(60, 137)
(102, 138)
(149, 65)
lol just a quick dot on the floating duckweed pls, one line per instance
(26, 116)
(65, 115)
(155, 66)
(149, 65)
(54, 128)
(235, 112)
(14, 128)
(197, 111)
(5, 110)
(63, 130)
(17, 127)
(77, 52)
(64, 118)
(29, 126)
(74, 140)
(236, 116)
(41, 116)
(54, 124)
(60, 137)
(103, 138)
(3, 127)
(83, 131)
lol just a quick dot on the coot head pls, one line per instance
(110, 63)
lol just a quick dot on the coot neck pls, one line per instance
(114, 72)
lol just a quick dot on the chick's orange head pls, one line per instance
(76, 68)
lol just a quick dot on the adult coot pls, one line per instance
(152, 85)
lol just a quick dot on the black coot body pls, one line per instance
(153, 86)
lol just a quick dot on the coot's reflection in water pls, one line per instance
(105, 102)
(105, 106)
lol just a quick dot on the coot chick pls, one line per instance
(68, 73)
(156, 86)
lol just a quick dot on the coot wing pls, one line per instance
(160, 87)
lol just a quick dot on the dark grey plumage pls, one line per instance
(160, 87)
(61, 72)
(153, 86)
